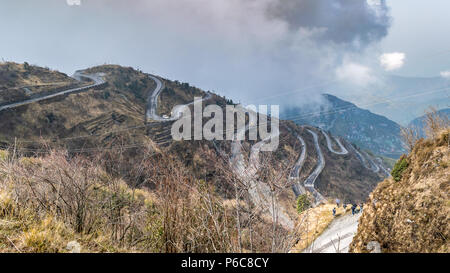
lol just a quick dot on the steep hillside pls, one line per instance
(22, 81)
(95, 210)
(367, 130)
(84, 119)
(411, 211)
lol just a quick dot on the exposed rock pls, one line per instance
(374, 247)
(73, 247)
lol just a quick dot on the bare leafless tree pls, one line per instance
(434, 123)
(410, 137)
(274, 174)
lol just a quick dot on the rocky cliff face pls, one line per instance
(410, 211)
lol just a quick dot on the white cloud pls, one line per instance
(355, 74)
(445, 74)
(73, 2)
(392, 61)
(374, 2)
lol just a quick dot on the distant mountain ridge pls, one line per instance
(367, 130)
(398, 98)
(418, 123)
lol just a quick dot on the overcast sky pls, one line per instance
(251, 50)
(421, 30)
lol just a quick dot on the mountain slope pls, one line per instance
(110, 122)
(22, 81)
(411, 212)
(115, 113)
(369, 131)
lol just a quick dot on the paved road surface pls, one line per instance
(337, 237)
(309, 182)
(330, 146)
(380, 163)
(360, 157)
(374, 167)
(301, 160)
(152, 107)
(97, 78)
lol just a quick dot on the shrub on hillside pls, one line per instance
(303, 203)
(399, 168)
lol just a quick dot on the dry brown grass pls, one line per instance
(14, 78)
(412, 215)
(435, 124)
(46, 202)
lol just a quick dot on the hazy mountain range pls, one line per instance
(419, 123)
(362, 127)
(400, 99)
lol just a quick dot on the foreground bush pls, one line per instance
(47, 202)
(399, 168)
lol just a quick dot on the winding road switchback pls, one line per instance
(309, 182)
(152, 106)
(295, 173)
(330, 145)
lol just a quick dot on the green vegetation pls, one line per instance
(3, 155)
(375, 133)
(399, 168)
(303, 203)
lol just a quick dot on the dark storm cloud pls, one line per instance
(254, 51)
